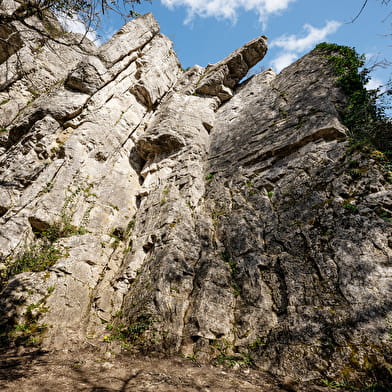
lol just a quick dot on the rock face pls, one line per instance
(186, 212)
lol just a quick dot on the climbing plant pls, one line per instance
(364, 113)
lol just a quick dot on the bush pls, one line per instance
(365, 112)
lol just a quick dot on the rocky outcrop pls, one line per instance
(187, 212)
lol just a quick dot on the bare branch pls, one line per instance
(360, 12)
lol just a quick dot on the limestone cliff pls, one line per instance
(187, 212)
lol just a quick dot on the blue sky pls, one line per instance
(205, 31)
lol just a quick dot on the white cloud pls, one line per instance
(228, 9)
(282, 61)
(373, 84)
(293, 46)
(75, 25)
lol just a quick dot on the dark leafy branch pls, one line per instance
(89, 11)
(365, 113)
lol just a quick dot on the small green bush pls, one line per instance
(37, 258)
(350, 207)
(131, 334)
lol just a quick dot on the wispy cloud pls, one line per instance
(294, 45)
(228, 9)
(314, 35)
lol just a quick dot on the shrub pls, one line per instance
(365, 112)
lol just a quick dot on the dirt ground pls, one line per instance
(37, 371)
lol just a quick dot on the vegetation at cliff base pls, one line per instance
(365, 111)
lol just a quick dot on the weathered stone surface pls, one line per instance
(311, 254)
(189, 213)
(129, 38)
(88, 76)
(67, 164)
(220, 78)
(10, 42)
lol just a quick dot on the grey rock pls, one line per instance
(131, 37)
(195, 213)
(220, 78)
(88, 76)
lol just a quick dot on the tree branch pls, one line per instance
(360, 12)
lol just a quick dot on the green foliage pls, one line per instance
(350, 207)
(28, 331)
(130, 226)
(46, 189)
(283, 112)
(3, 130)
(131, 334)
(384, 214)
(223, 358)
(233, 272)
(51, 289)
(44, 252)
(256, 344)
(209, 176)
(114, 206)
(134, 331)
(37, 258)
(192, 357)
(89, 11)
(364, 115)
(4, 101)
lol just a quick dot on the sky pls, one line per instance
(206, 31)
